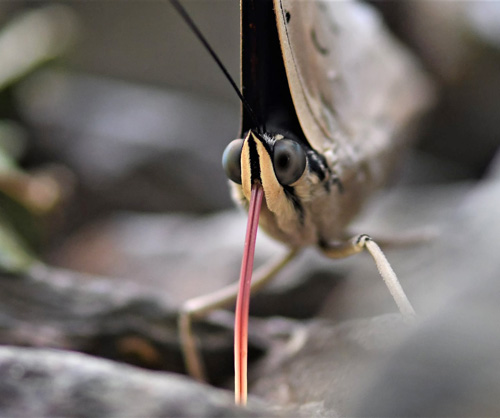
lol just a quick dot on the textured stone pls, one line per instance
(132, 146)
(450, 365)
(317, 369)
(53, 383)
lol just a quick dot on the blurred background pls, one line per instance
(123, 102)
(113, 120)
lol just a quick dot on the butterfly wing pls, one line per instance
(353, 87)
(263, 77)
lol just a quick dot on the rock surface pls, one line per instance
(54, 383)
(317, 371)
(132, 147)
(450, 366)
(445, 365)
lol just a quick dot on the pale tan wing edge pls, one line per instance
(348, 78)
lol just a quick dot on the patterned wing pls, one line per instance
(348, 78)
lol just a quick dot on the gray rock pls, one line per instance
(445, 365)
(401, 213)
(323, 377)
(186, 256)
(458, 41)
(450, 366)
(132, 146)
(316, 371)
(52, 383)
(58, 308)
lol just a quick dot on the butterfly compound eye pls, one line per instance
(289, 161)
(231, 160)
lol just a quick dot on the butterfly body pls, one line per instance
(304, 85)
(329, 100)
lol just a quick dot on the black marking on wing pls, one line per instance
(287, 16)
(264, 79)
(321, 49)
(304, 141)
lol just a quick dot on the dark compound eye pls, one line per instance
(289, 161)
(231, 160)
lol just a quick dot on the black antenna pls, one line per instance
(184, 14)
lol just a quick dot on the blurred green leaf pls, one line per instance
(7, 163)
(33, 38)
(17, 225)
(13, 141)
(15, 257)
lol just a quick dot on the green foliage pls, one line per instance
(17, 225)
(15, 256)
(28, 40)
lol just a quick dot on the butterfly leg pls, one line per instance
(200, 306)
(365, 242)
(407, 238)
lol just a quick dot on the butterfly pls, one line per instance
(326, 103)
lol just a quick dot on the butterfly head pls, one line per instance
(283, 168)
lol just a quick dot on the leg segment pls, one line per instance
(202, 305)
(362, 242)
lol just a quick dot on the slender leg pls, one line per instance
(406, 238)
(362, 242)
(202, 305)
